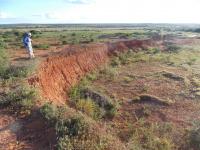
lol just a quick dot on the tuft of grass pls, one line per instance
(72, 129)
(172, 48)
(149, 136)
(108, 73)
(49, 112)
(64, 42)
(89, 107)
(41, 46)
(20, 97)
(194, 138)
(3, 58)
(111, 111)
(90, 103)
(153, 50)
(16, 72)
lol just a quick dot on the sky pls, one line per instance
(99, 11)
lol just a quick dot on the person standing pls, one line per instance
(28, 45)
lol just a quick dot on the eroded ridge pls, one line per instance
(58, 73)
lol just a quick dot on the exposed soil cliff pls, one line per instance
(58, 73)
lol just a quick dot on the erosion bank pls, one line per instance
(58, 73)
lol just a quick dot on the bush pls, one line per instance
(110, 111)
(172, 48)
(73, 130)
(75, 93)
(89, 107)
(64, 42)
(49, 112)
(75, 126)
(108, 73)
(41, 46)
(3, 58)
(153, 50)
(194, 139)
(34, 32)
(197, 30)
(125, 58)
(94, 104)
(75, 133)
(73, 34)
(16, 72)
(20, 97)
(115, 62)
(147, 136)
(65, 143)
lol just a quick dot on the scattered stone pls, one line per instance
(98, 98)
(151, 99)
(172, 76)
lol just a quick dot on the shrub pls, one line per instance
(20, 97)
(108, 72)
(197, 30)
(16, 72)
(64, 42)
(73, 34)
(75, 93)
(73, 130)
(89, 107)
(115, 62)
(34, 32)
(125, 58)
(75, 126)
(146, 137)
(75, 133)
(93, 103)
(3, 58)
(173, 48)
(194, 138)
(49, 112)
(91, 76)
(110, 111)
(65, 143)
(153, 50)
(41, 46)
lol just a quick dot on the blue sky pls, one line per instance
(99, 11)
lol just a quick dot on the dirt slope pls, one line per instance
(60, 72)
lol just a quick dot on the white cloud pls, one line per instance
(130, 11)
(4, 15)
(55, 15)
(121, 11)
(79, 1)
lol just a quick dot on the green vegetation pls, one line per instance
(93, 103)
(89, 107)
(73, 130)
(41, 46)
(130, 57)
(151, 136)
(16, 72)
(16, 94)
(93, 118)
(20, 97)
(108, 72)
(194, 138)
(3, 58)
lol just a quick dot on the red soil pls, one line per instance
(58, 73)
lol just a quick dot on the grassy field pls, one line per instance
(145, 100)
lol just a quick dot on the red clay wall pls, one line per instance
(58, 73)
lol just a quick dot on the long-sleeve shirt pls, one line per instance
(28, 41)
